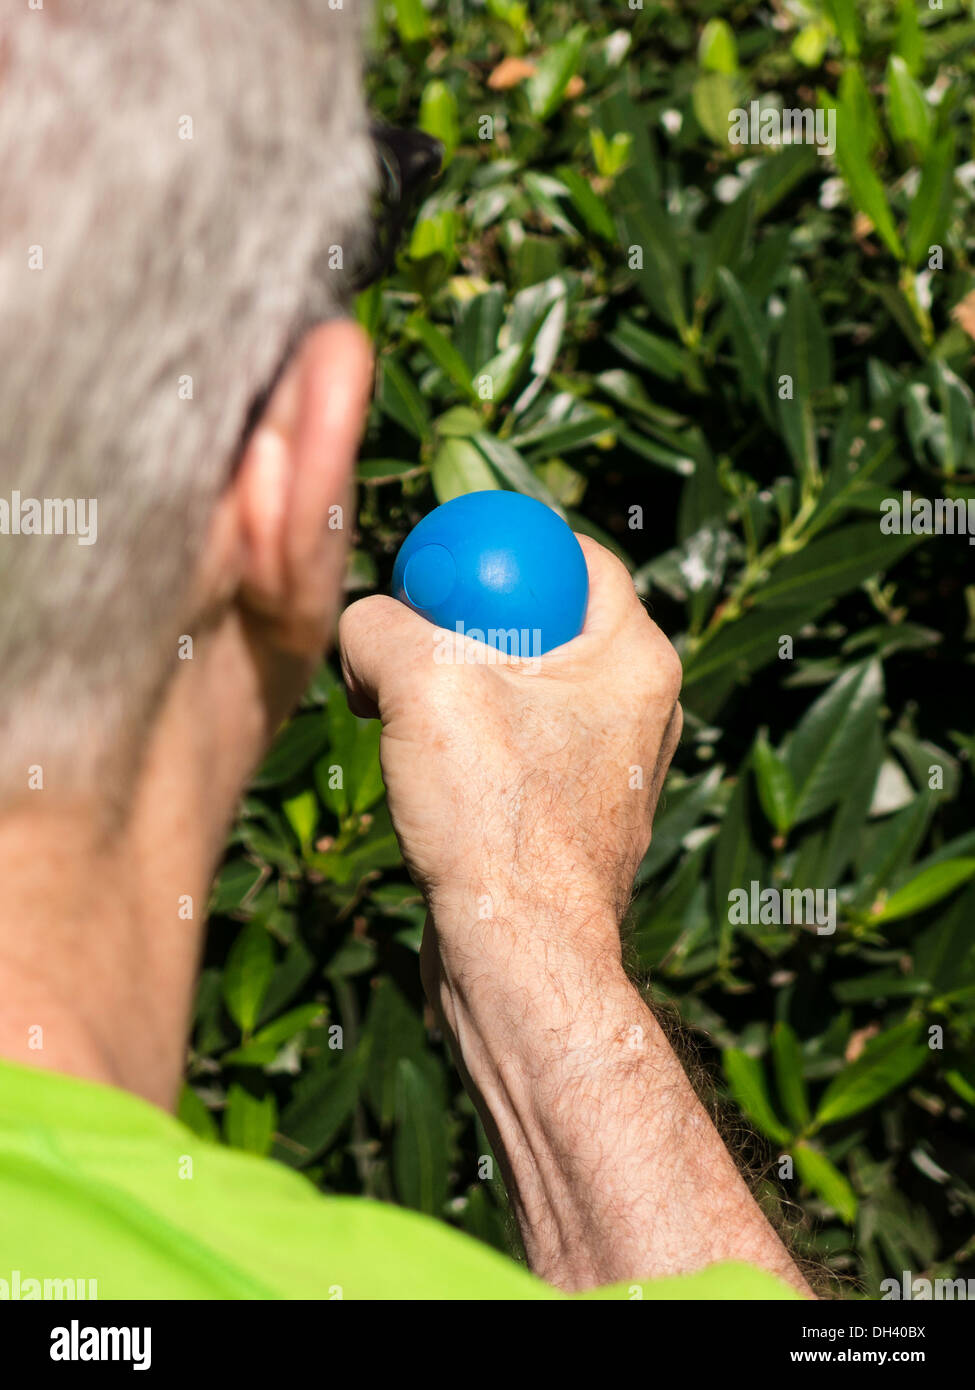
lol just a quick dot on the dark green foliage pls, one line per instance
(829, 666)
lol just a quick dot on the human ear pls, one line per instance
(293, 493)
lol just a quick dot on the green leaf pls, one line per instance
(948, 431)
(847, 477)
(843, 14)
(885, 1063)
(290, 1024)
(349, 777)
(824, 753)
(746, 1078)
(587, 203)
(944, 956)
(545, 89)
(910, 41)
(810, 45)
(248, 1121)
(479, 322)
(412, 20)
(866, 190)
(885, 848)
(806, 359)
(610, 156)
(749, 339)
(460, 421)
(738, 649)
(513, 468)
(648, 229)
(438, 116)
(683, 810)
(660, 356)
(832, 565)
(773, 778)
(393, 1031)
(921, 755)
(443, 352)
(420, 1142)
(293, 972)
(400, 400)
(728, 242)
(511, 12)
(626, 389)
(714, 96)
(322, 1103)
(851, 813)
(717, 50)
(234, 886)
(298, 744)
(247, 974)
(460, 467)
(789, 1081)
(302, 814)
(908, 112)
(365, 783)
(736, 861)
(435, 235)
(503, 371)
(929, 886)
(931, 205)
(779, 177)
(857, 99)
(193, 1113)
(826, 1180)
(961, 1085)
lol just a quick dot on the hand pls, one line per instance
(513, 780)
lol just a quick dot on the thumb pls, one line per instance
(379, 640)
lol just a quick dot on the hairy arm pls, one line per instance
(613, 1166)
(523, 798)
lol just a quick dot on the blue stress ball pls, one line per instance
(498, 567)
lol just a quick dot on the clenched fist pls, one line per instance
(521, 780)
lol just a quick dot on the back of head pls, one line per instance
(174, 174)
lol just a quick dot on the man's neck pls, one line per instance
(100, 943)
(96, 961)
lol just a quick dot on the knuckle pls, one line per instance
(672, 672)
(662, 667)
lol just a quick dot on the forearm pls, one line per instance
(614, 1168)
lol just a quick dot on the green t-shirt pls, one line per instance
(96, 1184)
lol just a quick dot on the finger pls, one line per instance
(379, 638)
(614, 604)
(612, 596)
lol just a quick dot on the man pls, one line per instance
(174, 176)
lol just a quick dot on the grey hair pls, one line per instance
(180, 168)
